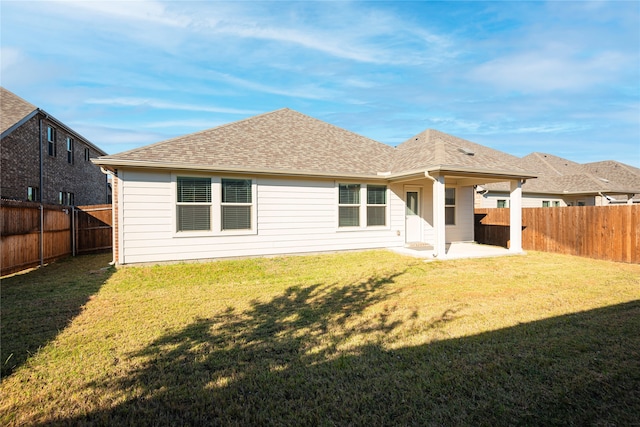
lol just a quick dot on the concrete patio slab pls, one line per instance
(455, 251)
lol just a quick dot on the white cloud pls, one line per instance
(307, 91)
(162, 105)
(549, 70)
(137, 10)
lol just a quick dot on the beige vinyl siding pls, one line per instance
(293, 216)
(462, 231)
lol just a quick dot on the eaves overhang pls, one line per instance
(114, 164)
(494, 175)
(55, 121)
(71, 131)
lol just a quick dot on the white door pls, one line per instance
(413, 222)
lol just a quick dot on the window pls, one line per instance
(51, 141)
(450, 206)
(348, 205)
(546, 203)
(194, 204)
(33, 194)
(556, 204)
(581, 203)
(236, 204)
(66, 198)
(70, 150)
(376, 205)
(502, 203)
(87, 154)
(412, 203)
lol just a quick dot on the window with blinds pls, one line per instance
(349, 205)
(194, 204)
(450, 206)
(376, 205)
(237, 202)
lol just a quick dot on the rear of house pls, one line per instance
(285, 183)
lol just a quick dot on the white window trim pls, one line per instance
(454, 206)
(216, 207)
(362, 212)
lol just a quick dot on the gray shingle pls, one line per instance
(12, 109)
(290, 142)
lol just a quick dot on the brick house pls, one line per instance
(44, 160)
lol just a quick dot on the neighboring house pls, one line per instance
(283, 182)
(44, 160)
(561, 182)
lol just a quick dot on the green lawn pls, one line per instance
(367, 338)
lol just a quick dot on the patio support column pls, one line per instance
(438, 216)
(515, 216)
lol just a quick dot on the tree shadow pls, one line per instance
(37, 305)
(302, 359)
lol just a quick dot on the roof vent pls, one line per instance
(466, 151)
(603, 179)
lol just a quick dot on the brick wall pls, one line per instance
(21, 165)
(20, 161)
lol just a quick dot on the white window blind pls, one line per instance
(450, 206)
(376, 205)
(237, 202)
(349, 205)
(194, 204)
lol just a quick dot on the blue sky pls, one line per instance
(558, 77)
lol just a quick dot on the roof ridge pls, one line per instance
(440, 153)
(546, 162)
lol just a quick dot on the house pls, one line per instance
(562, 182)
(284, 183)
(43, 160)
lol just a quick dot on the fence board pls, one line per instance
(20, 232)
(601, 232)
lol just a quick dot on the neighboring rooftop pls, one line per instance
(13, 109)
(557, 175)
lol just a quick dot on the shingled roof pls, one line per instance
(13, 109)
(557, 175)
(286, 141)
(433, 147)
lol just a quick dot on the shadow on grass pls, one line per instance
(296, 360)
(39, 304)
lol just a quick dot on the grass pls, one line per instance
(369, 338)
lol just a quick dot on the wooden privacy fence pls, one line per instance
(34, 234)
(602, 232)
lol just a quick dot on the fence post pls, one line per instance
(73, 231)
(41, 234)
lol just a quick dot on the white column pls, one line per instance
(515, 216)
(438, 216)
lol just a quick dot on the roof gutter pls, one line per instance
(112, 165)
(71, 131)
(57, 122)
